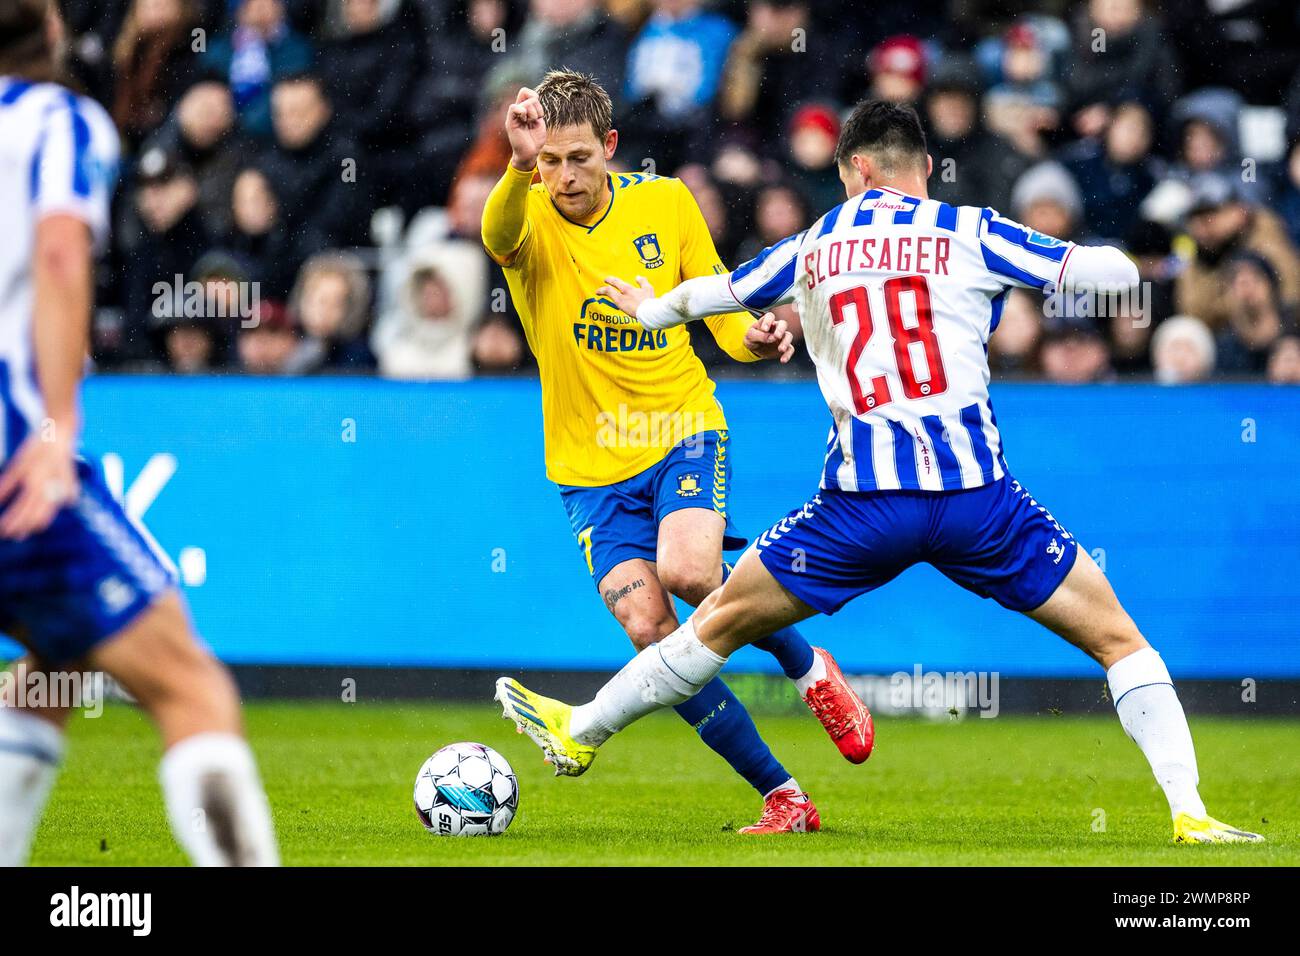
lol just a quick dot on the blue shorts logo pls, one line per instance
(647, 247)
(688, 486)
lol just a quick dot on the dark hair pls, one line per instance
(24, 48)
(890, 132)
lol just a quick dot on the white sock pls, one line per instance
(662, 675)
(791, 784)
(215, 802)
(1149, 710)
(815, 673)
(30, 752)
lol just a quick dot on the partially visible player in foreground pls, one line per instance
(79, 584)
(899, 294)
(635, 439)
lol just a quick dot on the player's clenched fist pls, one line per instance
(526, 129)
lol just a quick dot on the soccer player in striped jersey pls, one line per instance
(80, 584)
(635, 439)
(898, 295)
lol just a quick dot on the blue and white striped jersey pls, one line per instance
(58, 154)
(898, 296)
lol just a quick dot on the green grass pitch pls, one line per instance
(1010, 791)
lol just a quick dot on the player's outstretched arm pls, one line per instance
(767, 338)
(693, 299)
(1027, 259)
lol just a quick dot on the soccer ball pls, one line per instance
(466, 789)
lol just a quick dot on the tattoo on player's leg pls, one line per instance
(613, 596)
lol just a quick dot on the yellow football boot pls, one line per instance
(547, 722)
(1190, 829)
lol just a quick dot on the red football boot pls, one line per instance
(784, 813)
(841, 711)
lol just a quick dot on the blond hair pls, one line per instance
(570, 98)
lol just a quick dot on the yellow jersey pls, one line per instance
(616, 397)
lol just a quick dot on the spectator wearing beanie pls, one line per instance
(1204, 127)
(897, 68)
(1027, 70)
(1182, 350)
(1047, 199)
(194, 334)
(814, 134)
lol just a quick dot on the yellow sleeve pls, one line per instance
(505, 216)
(700, 258)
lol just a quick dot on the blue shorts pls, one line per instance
(996, 541)
(616, 523)
(83, 579)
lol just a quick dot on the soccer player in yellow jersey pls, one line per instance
(635, 439)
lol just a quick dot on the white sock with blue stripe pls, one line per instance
(30, 752)
(662, 675)
(1151, 714)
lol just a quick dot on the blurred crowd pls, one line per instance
(335, 156)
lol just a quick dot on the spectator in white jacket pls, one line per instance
(426, 333)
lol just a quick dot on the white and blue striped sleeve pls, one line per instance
(74, 169)
(768, 279)
(1019, 256)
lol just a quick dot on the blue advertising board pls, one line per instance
(356, 521)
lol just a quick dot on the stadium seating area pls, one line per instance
(338, 153)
